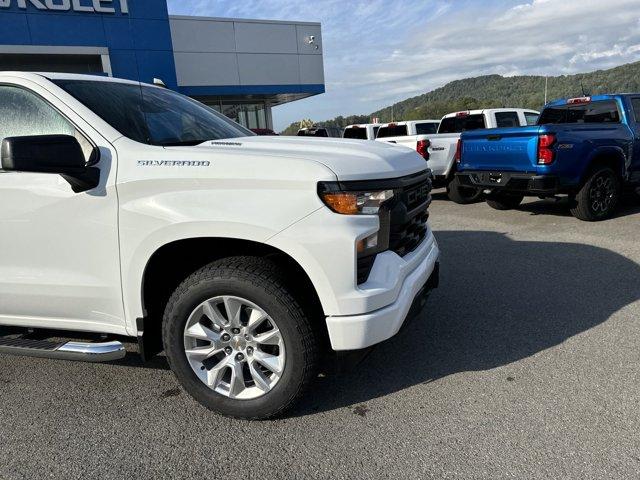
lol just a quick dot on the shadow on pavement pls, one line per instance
(499, 301)
(629, 205)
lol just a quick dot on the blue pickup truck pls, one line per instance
(586, 148)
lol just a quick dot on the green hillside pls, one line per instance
(497, 91)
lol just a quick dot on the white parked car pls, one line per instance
(361, 131)
(320, 132)
(443, 146)
(411, 134)
(131, 210)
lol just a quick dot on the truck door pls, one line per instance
(634, 124)
(59, 259)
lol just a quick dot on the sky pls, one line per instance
(378, 52)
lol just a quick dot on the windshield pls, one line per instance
(427, 128)
(153, 115)
(461, 123)
(358, 133)
(392, 130)
(596, 112)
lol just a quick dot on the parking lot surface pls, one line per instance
(524, 364)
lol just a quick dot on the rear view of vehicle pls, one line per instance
(443, 146)
(320, 132)
(581, 148)
(411, 134)
(363, 131)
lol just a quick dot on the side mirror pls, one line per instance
(58, 154)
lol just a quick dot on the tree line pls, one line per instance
(495, 91)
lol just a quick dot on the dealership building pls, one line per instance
(240, 67)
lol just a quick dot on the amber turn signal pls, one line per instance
(341, 202)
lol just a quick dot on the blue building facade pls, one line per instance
(241, 67)
(138, 41)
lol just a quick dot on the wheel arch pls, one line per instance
(173, 262)
(612, 157)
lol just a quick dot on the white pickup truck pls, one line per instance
(130, 210)
(442, 147)
(361, 131)
(412, 134)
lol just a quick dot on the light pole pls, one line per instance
(546, 82)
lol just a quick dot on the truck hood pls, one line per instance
(348, 159)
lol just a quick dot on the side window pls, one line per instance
(635, 103)
(507, 119)
(23, 113)
(531, 118)
(596, 112)
(551, 115)
(426, 128)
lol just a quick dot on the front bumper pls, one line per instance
(353, 332)
(517, 182)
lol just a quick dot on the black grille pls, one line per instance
(408, 224)
(406, 237)
(403, 220)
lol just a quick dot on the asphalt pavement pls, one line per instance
(523, 364)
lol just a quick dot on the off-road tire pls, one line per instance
(462, 194)
(598, 197)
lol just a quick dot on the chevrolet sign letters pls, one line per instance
(91, 6)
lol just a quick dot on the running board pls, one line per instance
(75, 351)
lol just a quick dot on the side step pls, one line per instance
(75, 351)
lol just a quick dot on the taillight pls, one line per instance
(545, 149)
(423, 148)
(458, 156)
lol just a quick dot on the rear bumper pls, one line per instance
(525, 183)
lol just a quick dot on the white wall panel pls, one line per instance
(268, 69)
(265, 38)
(202, 36)
(311, 69)
(205, 69)
(215, 51)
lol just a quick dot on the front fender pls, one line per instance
(136, 259)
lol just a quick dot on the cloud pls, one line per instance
(380, 51)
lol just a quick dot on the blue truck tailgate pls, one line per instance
(504, 149)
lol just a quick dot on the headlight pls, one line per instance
(353, 202)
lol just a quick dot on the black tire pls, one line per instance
(598, 197)
(257, 280)
(504, 201)
(462, 194)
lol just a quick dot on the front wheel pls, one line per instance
(598, 197)
(462, 194)
(238, 341)
(504, 201)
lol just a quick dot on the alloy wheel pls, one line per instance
(234, 347)
(602, 193)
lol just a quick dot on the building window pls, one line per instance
(250, 115)
(255, 115)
